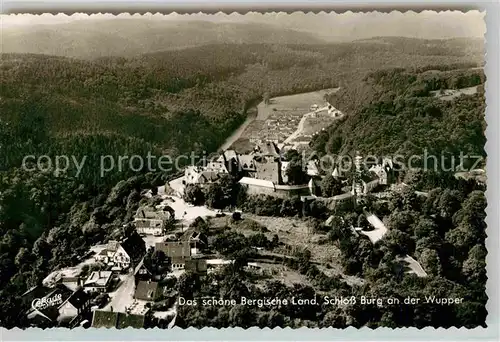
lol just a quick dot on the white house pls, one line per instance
(121, 255)
(383, 171)
(199, 175)
(98, 281)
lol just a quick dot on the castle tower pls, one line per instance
(356, 183)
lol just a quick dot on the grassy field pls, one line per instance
(291, 231)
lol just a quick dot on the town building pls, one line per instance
(70, 277)
(369, 181)
(56, 306)
(197, 241)
(74, 308)
(148, 291)
(177, 251)
(384, 171)
(199, 175)
(120, 256)
(117, 320)
(150, 221)
(98, 281)
(215, 264)
(142, 273)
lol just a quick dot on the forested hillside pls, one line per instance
(126, 37)
(393, 112)
(172, 103)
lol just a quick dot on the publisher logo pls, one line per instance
(46, 302)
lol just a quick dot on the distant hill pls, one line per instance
(129, 37)
(361, 25)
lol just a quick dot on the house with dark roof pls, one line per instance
(269, 149)
(177, 251)
(148, 291)
(122, 255)
(384, 171)
(55, 306)
(142, 273)
(118, 320)
(197, 240)
(73, 309)
(151, 221)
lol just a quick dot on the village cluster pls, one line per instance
(115, 285)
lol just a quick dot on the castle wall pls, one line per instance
(282, 191)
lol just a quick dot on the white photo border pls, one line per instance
(491, 333)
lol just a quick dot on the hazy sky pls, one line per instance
(467, 24)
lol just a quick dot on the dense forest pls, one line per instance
(172, 103)
(444, 231)
(399, 114)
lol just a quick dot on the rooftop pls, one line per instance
(256, 182)
(151, 213)
(147, 290)
(175, 250)
(98, 278)
(119, 320)
(343, 196)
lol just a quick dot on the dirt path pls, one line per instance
(300, 127)
(379, 231)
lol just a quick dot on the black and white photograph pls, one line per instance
(317, 170)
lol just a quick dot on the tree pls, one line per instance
(296, 172)
(330, 186)
(292, 154)
(399, 242)
(188, 285)
(23, 257)
(194, 194)
(199, 224)
(241, 316)
(362, 221)
(430, 205)
(214, 196)
(157, 262)
(425, 227)
(429, 260)
(222, 193)
(400, 220)
(462, 238)
(291, 207)
(474, 268)
(405, 199)
(449, 203)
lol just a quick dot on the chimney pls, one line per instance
(143, 213)
(99, 273)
